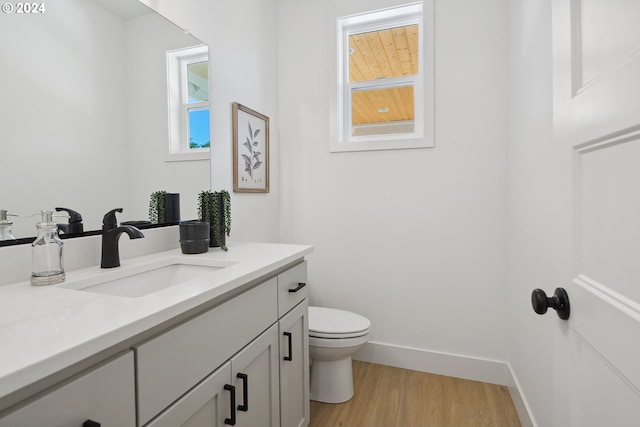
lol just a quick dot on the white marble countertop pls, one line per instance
(46, 329)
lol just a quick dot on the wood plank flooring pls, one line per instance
(394, 397)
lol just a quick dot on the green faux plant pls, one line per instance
(209, 210)
(157, 208)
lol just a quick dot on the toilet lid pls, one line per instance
(333, 323)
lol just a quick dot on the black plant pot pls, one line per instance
(221, 217)
(212, 238)
(172, 207)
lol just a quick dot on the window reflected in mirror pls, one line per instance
(199, 136)
(198, 110)
(188, 93)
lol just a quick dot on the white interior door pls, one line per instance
(597, 111)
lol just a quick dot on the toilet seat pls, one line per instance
(336, 343)
(332, 323)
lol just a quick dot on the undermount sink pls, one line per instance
(135, 283)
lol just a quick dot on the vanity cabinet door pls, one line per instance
(256, 381)
(242, 392)
(169, 365)
(206, 405)
(105, 395)
(294, 367)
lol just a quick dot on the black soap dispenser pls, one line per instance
(46, 253)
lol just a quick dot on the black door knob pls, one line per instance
(559, 302)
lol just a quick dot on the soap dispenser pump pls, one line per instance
(5, 226)
(47, 253)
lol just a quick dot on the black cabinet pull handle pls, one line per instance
(559, 302)
(232, 420)
(289, 339)
(245, 392)
(297, 288)
(90, 423)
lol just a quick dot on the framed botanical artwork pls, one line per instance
(250, 150)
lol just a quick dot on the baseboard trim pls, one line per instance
(520, 402)
(453, 365)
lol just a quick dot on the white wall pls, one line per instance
(413, 239)
(148, 38)
(241, 35)
(539, 205)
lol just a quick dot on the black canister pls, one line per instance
(194, 237)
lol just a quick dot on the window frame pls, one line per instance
(178, 103)
(342, 126)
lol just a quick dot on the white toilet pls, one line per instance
(334, 335)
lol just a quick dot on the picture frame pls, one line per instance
(250, 150)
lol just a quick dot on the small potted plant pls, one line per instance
(214, 207)
(164, 207)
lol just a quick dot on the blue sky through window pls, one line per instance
(199, 135)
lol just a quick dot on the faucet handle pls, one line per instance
(109, 221)
(73, 215)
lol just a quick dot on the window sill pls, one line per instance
(380, 144)
(186, 157)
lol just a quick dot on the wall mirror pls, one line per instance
(84, 115)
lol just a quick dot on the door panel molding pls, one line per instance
(607, 322)
(606, 363)
(595, 82)
(584, 50)
(606, 202)
(606, 141)
(608, 295)
(602, 393)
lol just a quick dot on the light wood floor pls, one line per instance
(394, 397)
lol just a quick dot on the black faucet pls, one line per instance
(110, 236)
(74, 224)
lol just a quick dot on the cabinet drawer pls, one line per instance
(105, 394)
(292, 288)
(172, 363)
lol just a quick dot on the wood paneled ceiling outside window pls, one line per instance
(378, 55)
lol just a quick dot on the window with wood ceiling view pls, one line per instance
(384, 84)
(383, 67)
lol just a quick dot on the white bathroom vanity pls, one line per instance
(164, 340)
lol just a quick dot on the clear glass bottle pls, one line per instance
(5, 226)
(47, 253)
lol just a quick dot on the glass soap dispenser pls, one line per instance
(5, 226)
(47, 253)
